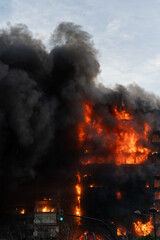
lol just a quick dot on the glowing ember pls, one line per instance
(95, 186)
(121, 231)
(154, 153)
(85, 175)
(143, 229)
(119, 195)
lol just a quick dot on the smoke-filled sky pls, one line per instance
(125, 32)
(46, 97)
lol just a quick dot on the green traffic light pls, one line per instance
(61, 212)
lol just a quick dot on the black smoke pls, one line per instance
(41, 96)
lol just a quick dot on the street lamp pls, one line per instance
(137, 212)
(153, 211)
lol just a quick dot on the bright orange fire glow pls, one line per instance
(121, 231)
(143, 229)
(85, 175)
(78, 189)
(22, 211)
(78, 193)
(47, 209)
(128, 151)
(95, 186)
(122, 115)
(87, 120)
(78, 210)
(127, 141)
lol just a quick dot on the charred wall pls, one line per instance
(100, 196)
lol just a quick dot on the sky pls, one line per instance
(126, 33)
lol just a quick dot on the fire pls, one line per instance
(143, 229)
(121, 231)
(122, 115)
(22, 211)
(78, 210)
(126, 141)
(47, 209)
(95, 186)
(85, 175)
(86, 130)
(78, 193)
(87, 121)
(78, 189)
(154, 153)
(128, 150)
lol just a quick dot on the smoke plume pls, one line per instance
(41, 106)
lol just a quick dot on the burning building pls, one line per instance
(60, 129)
(32, 219)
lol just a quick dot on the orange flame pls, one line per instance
(87, 121)
(78, 189)
(128, 150)
(85, 175)
(47, 209)
(124, 141)
(143, 229)
(122, 115)
(95, 186)
(78, 193)
(121, 231)
(22, 211)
